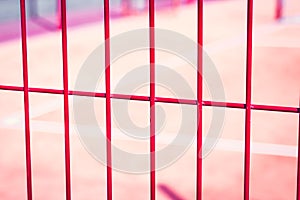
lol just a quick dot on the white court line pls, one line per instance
(222, 144)
(35, 111)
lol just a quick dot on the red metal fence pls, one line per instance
(247, 106)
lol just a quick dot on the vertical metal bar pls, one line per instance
(248, 100)
(108, 100)
(26, 99)
(66, 97)
(152, 98)
(298, 158)
(199, 99)
(278, 9)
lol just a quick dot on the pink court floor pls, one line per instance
(274, 135)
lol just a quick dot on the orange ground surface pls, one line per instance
(274, 135)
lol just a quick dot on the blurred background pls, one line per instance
(274, 135)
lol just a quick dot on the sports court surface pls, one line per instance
(274, 135)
